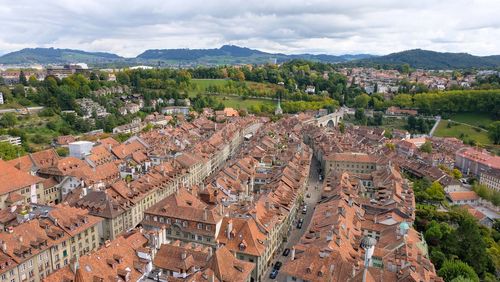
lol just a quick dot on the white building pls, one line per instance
(14, 140)
(80, 149)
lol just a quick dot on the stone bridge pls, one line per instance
(330, 120)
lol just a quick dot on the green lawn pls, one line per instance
(239, 103)
(462, 131)
(394, 123)
(474, 119)
(202, 84)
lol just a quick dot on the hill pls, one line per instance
(230, 54)
(56, 56)
(425, 59)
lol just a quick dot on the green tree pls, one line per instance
(456, 173)
(18, 90)
(9, 151)
(435, 192)
(360, 116)
(426, 147)
(342, 127)
(438, 258)
(22, 78)
(361, 101)
(452, 269)
(8, 120)
(468, 243)
(494, 132)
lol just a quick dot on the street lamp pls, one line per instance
(368, 244)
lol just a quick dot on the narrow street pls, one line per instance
(296, 233)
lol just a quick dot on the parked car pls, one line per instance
(304, 210)
(301, 220)
(286, 252)
(308, 195)
(299, 225)
(273, 274)
(278, 265)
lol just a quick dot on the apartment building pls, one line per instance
(350, 161)
(18, 187)
(40, 246)
(183, 216)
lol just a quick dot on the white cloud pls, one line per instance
(129, 27)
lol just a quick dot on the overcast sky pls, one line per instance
(128, 27)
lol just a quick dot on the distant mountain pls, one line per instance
(230, 54)
(56, 56)
(425, 59)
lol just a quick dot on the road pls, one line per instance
(438, 119)
(296, 234)
(29, 109)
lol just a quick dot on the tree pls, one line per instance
(22, 78)
(438, 258)
(18, 90)
(360, 116)
(494, 132)
(426, 147)
(452, 269)
(8, 120)
(361, 101)
(456, 173)
(9, 151)
(468, 243)
(435, 192)
(433, 235)
(342, 127)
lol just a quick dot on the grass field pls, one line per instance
(239, 103)
(232, 101)
(201, 84)
(474, 119)
(462, 131)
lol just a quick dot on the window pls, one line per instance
(65, 253)
(30, 263)
(200, 226)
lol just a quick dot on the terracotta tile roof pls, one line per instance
(109, 142)
(118, 261)
(73, 220)
(463, 195)
(184, 205)
(12, 179)
(244, 237)
(227, 267)
(180, 259)
(30, 238)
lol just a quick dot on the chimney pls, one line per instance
(205, 214)
(211, 278)
(183, 255)
(210, 253)
(20, 239)
(229, 228)
(292, 254)
(4, 247)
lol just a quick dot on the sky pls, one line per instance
(129, 27)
